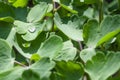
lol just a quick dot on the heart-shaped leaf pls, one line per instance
(68, 28)
(6, 59)
(101, 67)
(37, 12)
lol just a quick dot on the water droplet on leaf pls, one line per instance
(32, 29)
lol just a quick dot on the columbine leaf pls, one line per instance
(43, 68)
(37, 12)
(51, 47)
(95, 35)
(6, 10)
(67, 53)
(28, 48)
(30, 75)
(6, 59)
(68, 29)
(12, 74)
(30, 31)
(101, 67)
(87, 54)
(69, 70)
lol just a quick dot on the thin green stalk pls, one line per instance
(80, 45)
(53, 12)
(16, 62)
(100, 10)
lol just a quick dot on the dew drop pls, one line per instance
(32, 29)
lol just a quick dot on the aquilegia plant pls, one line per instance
(59, 39)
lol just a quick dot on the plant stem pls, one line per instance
(53, 12)
(16, 62)
(80, 45)
(100, 10)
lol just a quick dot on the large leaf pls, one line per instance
(37, 71)
(95, 35)
(30, 75)
(5, 29)
(7, 32)
(29, 30)
(37, 12)
(51, 47)
(43, 68)
(12, 74)
(101, 67)
(6, 10)
(68, 29)
(6, 59)
(67, 53)
(28, 48)
(69, 70)
(20, 13)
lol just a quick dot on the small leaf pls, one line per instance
(37, 13)
(87, 54)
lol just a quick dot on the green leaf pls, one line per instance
(6, 59)
(95, 35)
(30, 75)
(67, 53)
(30, 31)
(68, 29)
(101, 67)
(87, 54)
(21, 13)
(51, 47)
(12, 74)
(5, 29)
(18, 3)
(6, 10)
(43, 68)
(28, 48)
(107, 30)
(69, 70)
(37, 13)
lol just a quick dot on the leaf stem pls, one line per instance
(53, 12)
(100, 10)
(80, 45)
(16, 62)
